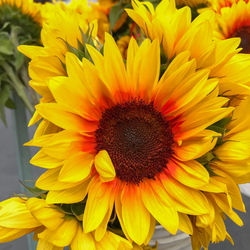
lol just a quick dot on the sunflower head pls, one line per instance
(233, 19)
(138, 138)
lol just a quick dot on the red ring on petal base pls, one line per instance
(138, 139)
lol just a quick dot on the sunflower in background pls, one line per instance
(233, 17)
(28, 8)
(229, 154)
(48, 60)
(54, 227)
(20, 23)
(166, 24)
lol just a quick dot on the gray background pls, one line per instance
(9, 185)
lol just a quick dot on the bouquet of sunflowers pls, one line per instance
(143, 121)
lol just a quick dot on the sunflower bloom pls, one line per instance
(211, 227)
(234, 21)
(15, 220)
(131, 139)
(230, 167)
(234, 154)
(53, 229)
(27, 7)
(179, 33)
(47, 60)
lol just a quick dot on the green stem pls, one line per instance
(17, 84)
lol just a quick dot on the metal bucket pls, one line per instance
(167, 241)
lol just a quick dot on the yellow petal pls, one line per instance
(75, 98)
(45, 214)
(233, 189)
(135, 216)
(43, 68)
(214, 186)
(149, 68)
(56, 114)
(225, 203)
(9, 234)
(112, 241)
(70, 195)
(15, 214)
(83, 241)
(236, 148)
(205, 220)
(45, 245)
(104, 166)
(100, 198)
(189, 173)
(197, 146)
(238, 170)
(101, 230)
(63, 235)
(49, 181)
(185, 224)
(197, 202)
(41, 159)
(166, 216)
(114, 65)
(118, 209)
(76, 168)
(32, 51)
(45, 127)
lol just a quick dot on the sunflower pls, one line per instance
(15, 219)
(179, 33)
(53, 228)
(27, 7)
(234, 21)
(48, 60)
(230, 167)
(131, 139)
(20, 23)
(234, 154)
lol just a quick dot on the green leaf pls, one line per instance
(65, 208)
(223, 122)
(217, 129)
(5, 25)
(115, 13)
(209, 169)
(10, 104)
(4, 96)
(19, 60)
(6, 47)
(78, 208)
(80, 54)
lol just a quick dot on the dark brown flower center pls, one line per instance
(244, 33)
(138, 139)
